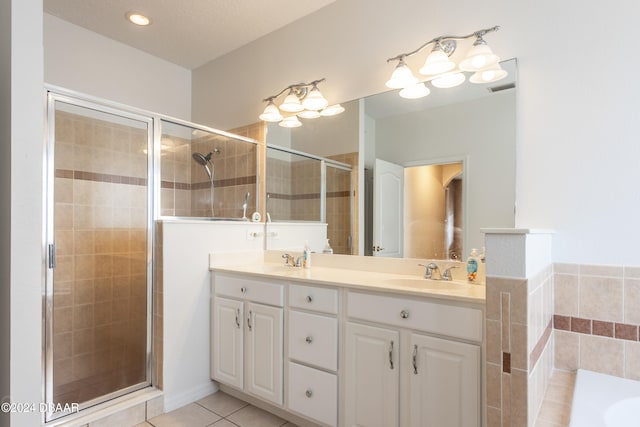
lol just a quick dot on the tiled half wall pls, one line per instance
(596, 319)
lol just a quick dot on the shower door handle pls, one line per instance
(52, 255)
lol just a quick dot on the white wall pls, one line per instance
(578, 156)
(86, 62)
(186, 297)
(484, 141)
(21, 121)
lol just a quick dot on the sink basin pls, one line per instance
(429, 284)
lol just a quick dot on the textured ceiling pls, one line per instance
(189, 33)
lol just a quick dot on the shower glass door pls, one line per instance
(98, 291)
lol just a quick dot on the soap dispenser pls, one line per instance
(327, 248)
(306, 255)
(472, 266)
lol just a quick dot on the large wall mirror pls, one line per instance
(428, 174)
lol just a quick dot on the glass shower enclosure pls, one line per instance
(97, 297)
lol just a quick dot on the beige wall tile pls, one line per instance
(566, 294)
(601, 298)
(507, 398)
(601, 270)
(567, 350)
(519, 352)
(604, 355)
(519, 400)
(494, 385)
(494, 417)
(632, 301)
(494, 346)
(564, 268)
(632, 360)
(632, 272)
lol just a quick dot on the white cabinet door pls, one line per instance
(226, 348)
(372, 380)
(444, 389)
(264, 348)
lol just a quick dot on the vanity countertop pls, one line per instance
(403, 284)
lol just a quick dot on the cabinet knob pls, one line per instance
(309, 339)
(309, 299)
(404, 314)
(243, 290)
(308, 393)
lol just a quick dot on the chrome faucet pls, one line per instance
(294, 262)
(447, 275)
(430, 268)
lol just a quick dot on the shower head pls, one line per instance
(202, 159)
(205, 161)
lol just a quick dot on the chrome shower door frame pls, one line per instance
(54, 95)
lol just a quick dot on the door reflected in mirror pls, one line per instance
(472, 125)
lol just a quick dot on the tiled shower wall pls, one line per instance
(596, 319)
(185, 185)
(100, 283)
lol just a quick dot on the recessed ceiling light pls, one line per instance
(138, 19)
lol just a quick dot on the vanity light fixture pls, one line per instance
(442, 71)
(138, 19)
(303, 100)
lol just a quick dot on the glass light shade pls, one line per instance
(479, 57)
(489, 75)
(309, 114)
(448, 80)
(271, 113)
(290, 122)
(291, 103)
(332, 110)
(437, 62)
(418, 90)
(314, 100)
(401, 77)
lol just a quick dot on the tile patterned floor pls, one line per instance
(217, 410)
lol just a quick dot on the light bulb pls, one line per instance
(479, 57)
(271, 113)
(138, 19)
(291, 103)
(290, 122)
(401, 77)
(309, 114)
(332, 110)
(314, 100)
(437, 62)
(489, 75)
(448, 80)
(418, 90)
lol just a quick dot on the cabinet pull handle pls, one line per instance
(415, 359)
(404, 314)
(309, 339)
(308, 393)
(238, 318)
(309, 299)
(249, 320)
(243, 290)
(391, 355)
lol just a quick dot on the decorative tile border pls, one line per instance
(622, 331)
(540, 346)
(309, 196)
(100, 177)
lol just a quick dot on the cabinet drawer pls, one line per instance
(421, 315)
(313, 339)
(313, 393)
(313, 298)
(257, 290)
